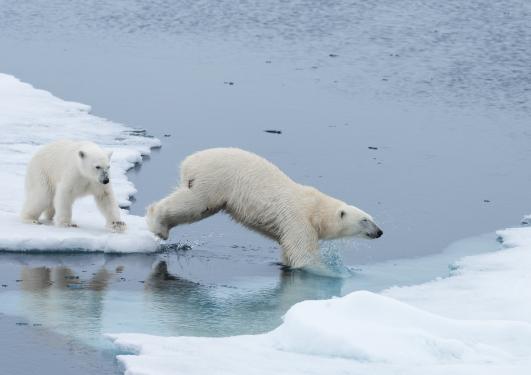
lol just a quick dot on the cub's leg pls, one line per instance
(62, 202)
(50, 212)
(38, 199)
(109, 209)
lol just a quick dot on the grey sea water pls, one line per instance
(415, 111)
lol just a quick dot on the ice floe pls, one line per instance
(477, 320)
(30, 118)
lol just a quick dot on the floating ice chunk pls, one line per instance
(359, 332)
(512, 237)
(478, 320)
(31, 118)
(90, 235)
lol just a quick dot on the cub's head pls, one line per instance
(94, 163)
(156, 222)
(350, 221)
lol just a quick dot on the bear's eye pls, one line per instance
(98, 167)
(364, 220)
(342, 213)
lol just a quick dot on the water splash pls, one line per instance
(331, 262)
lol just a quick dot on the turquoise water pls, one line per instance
(188, 292)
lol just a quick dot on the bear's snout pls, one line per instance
(105, 181)
(375, 234)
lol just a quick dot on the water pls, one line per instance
(441, 89)
(179, 292)
(448, 114)
(51, 353)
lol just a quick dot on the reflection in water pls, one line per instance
(85, 296)
(191, 308)
(184, 293)
(34, 279)
(58, 297)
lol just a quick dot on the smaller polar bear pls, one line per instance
(63, 171)
(259, 195)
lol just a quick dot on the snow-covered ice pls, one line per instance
(478, 320)
(30, 118)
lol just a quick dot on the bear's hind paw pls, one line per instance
(118, 226)
(68, 225)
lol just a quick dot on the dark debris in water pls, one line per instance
(486, 201)
(139, 133)
(333, 55)
(453, 267)
(177, 247)
(230, 83)
(273, 131)
(373, 148)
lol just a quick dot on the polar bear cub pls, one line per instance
(63, 171)
(259, 195)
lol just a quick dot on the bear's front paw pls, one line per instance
(118, 226)
(68, 225)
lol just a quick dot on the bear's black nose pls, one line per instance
(105, 181)
(376, 234)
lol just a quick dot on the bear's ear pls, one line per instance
(81, 154)
(109, 154)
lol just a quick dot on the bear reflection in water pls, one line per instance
(114, 296)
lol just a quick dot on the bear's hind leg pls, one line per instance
(49, 213)
(185, 206)
(36, 203)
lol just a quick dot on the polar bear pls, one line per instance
(63, 171)
(260, 196)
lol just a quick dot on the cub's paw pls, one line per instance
(67, 225)
(31, 221)
(118, 226)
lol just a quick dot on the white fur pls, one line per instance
(63, 171)
(260, 196)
